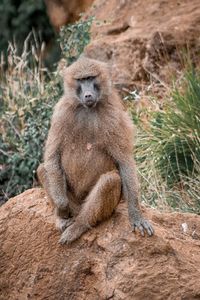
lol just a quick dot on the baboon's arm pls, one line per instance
(130, 191)
(56, 183)
(121, 150)
(55, 178)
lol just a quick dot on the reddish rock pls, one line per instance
(108, 262)
(145, 40)
(65, 11)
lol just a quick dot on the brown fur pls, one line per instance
(88, 156)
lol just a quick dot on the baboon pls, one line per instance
(88, 164)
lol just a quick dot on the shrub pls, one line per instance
(74, 38)
(174, 136)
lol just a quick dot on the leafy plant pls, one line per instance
(74, 38)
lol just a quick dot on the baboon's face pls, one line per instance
(88, 91)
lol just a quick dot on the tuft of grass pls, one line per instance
(28, 94)
(168, 149)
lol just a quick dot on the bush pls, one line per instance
(74, 38)
(174, 136)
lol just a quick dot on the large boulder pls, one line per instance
(108, 262)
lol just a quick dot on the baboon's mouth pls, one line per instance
(90, 103)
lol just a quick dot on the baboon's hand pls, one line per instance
(143, 225)
(62, 204)
(62, 210)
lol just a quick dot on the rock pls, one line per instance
(145, 40)
(108, 262)
(61, 12)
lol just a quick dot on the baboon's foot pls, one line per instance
(72, 233)
(62, 224)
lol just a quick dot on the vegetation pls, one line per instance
(19, 18)
(168, 140)
(175, 132)
(74, 38)
(168, 148)
(27, 95)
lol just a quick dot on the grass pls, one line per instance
(168, 148)
(28, 93)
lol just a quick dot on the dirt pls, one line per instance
(108, 262)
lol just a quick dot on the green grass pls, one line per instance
(168, 149)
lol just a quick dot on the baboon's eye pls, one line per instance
(78, 90)
(89, 78)
(96, 87)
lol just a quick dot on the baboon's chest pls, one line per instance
(77, 158)
(83, 164)
(84, 157)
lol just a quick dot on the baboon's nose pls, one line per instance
(88, 96)
(89, 99)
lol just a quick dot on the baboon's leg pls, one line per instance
(98, 206)
(62, 215)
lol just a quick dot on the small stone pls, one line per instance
(184, 227)
(89, 146)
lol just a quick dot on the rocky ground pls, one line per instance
(108, 262)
